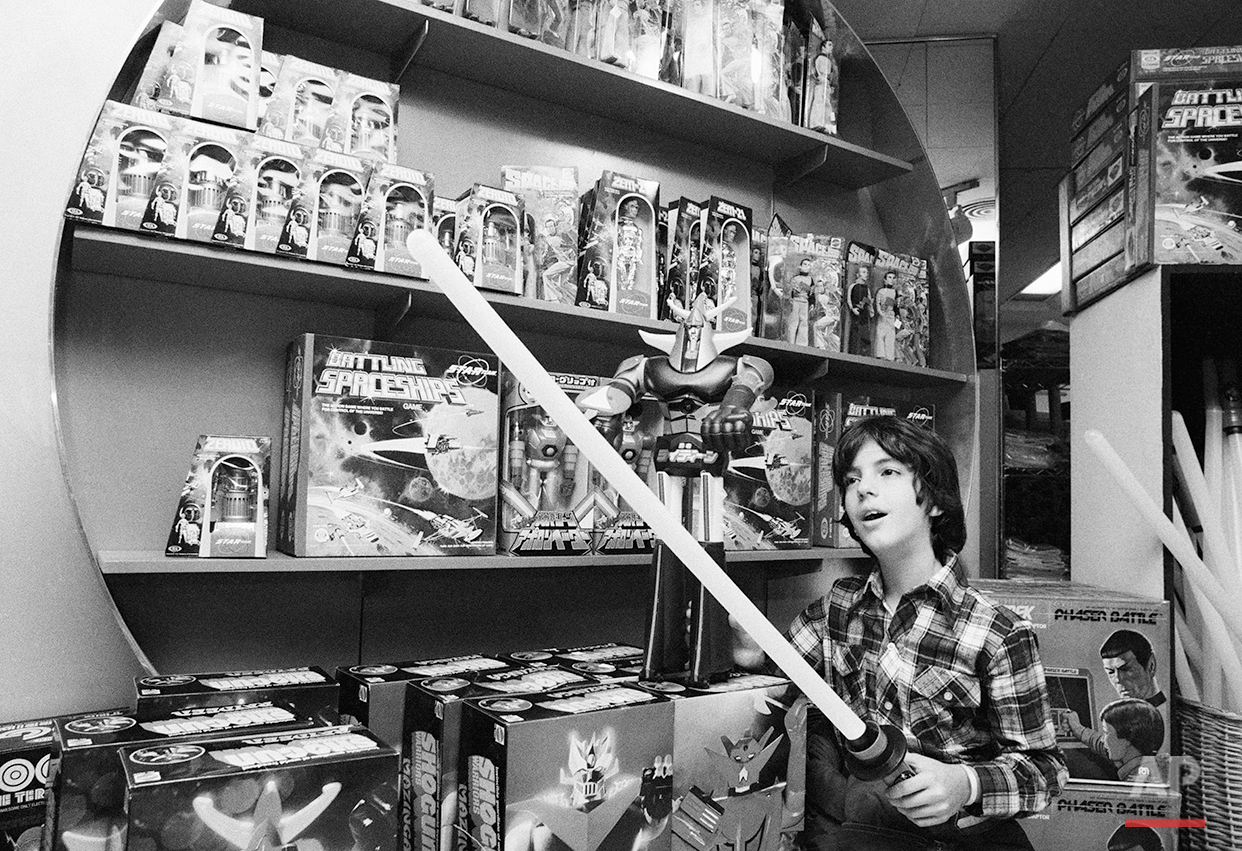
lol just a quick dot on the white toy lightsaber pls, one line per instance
(1217, 554)
(1213, 465)
(442, 271)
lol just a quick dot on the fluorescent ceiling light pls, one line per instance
(1046, 284)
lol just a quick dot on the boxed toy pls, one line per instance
(588, 767)
(771, 90)
(1116, 111)
(333, 789)
(795, 68)
(696, 28)
(363, 120)
(612, 32)
(116, 179)
(548, 497)
(308, 691)
(884, 305)
(735, 53)
(483, 11)
(647, 34)
(324, 210)
(770, 325)
(739, 762)
(617, 263)
(25, 755)
(397, 202)
(858, 307)
(1106, 655)
(618, 528)
(581, 35)
(1097, 188)
(301, 102)
(1112, 145)
(685, 246)
(823, 83)
(913, 326)
(725, 262)
(550, 199)
(269, 73)
(444, 222)
(608, 652)
(805, 289)
(221, 49)
(1181, 64)
(166, 82)
(1093, 817)
(374, 695)
(388, 450)
(768, 486)
(222, 512)
(1115, 83)
(190, 185)
(258, 197)
(489, 238)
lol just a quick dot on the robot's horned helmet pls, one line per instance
(591, 765)
(693, 345)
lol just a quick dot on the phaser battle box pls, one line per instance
(431, 745)
(308, 691)
(1091, 817)
(329, 789)
(374, 695)
(25, 754)
(739, 762)
(86, 786)
(388, 450)
(1106, 658)
(588, 769)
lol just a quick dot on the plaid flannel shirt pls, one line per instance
(959, 674)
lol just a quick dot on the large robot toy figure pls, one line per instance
(709, 397)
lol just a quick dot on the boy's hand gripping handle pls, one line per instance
(879, 753)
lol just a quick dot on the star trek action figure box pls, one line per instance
(398, 202)
(116, 179)
(258, 196)
(550, 200)
(324, 210)
(333, 788)
(307, 691)
(725, 262)
(389, 449)
(739, 762)
(86, 784)
(431, 745)
(489, 238)
(617, 263)
(25, 757)
(1106, 658)
(768, 486)
(223, 508)
(587, 768)
(374, 695)
(1090, 816)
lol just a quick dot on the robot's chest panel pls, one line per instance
(691, 389)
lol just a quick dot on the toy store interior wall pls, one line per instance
(65, 648)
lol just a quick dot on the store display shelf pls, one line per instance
(409, 32)
(138, 562)
(125, 253)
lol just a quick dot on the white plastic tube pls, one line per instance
(1186, 657)
(439, 267)
(1213, 466)
(1217, 553)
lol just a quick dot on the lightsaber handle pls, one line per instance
(879, 754)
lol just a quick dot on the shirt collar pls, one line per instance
(948, 583)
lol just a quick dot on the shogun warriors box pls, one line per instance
(617, 261)
(606, 662)
(431, 744)
(25, 755)
(1093, 816)
(1106, 658)
(374, 695)
(548, 495)
(588, 768)
(725, 262)
(489, 238)
(116, 179)
(388, 450)
(333, 788)
(550, 199)
(86, 784)
(223, 508)
(307, 691)
(259, 195)
(768, 487)
(804, 289)
(324, 209)
(397, 202)
(739, 762)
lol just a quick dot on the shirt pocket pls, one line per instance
(849, 677)
(942, 700)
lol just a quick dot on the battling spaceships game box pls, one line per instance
(332, 788)
(307, 690)
(389, 450)
(25, 752)
(588, 768)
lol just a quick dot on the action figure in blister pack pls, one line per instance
(547, 464)
(629, 245)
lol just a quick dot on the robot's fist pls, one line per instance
(609, 427)
(728, 427)
(656, 794)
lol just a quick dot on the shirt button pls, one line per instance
(888, 704)
(948, 695)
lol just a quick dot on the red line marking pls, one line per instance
(1166, 822)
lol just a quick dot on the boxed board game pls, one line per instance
(725, 262)
(223, 508)
(374, 695)
(363, 120)
(550, 198)
(1114, 84)
(739, 761)
(308, 691)
(768, 486)
(1117, 111)
(398, 201)
(389, 449)
(618, 528)
(333, 788)
(489, 238)
(25, 757)
(588, 767)
(86, 785)
(1106, 657)
(324, 209)
(258, 196)
(431, 745)
(116, 179)
(617, 259)
(1091, 817)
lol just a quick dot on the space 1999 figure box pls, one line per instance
(388, 450)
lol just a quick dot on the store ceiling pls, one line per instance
(1050, 56)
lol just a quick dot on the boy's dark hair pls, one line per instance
(1136, 721)
(1127, 837)
(1127, 639)
(935, 474)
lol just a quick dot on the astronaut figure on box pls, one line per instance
(728, 263)
(544, 461)
(709, 397)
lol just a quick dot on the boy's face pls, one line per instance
(1115, 746)
(881, 502)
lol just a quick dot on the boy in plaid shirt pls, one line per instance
(912, 645)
